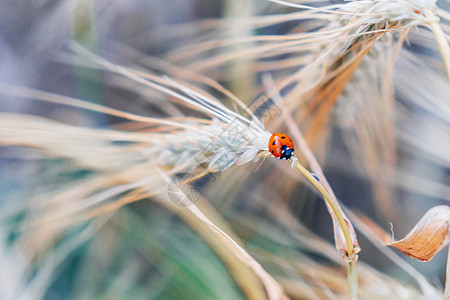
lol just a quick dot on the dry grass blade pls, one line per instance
(273, 288)
(429, 236)
(345, 237)
(441, 40)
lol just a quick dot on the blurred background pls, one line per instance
(146, 251)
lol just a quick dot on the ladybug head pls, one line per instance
(287, 152)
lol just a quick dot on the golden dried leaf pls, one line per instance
(429, 236)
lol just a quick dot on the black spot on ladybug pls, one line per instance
(272, 151)
(283, 137)
(273, 143)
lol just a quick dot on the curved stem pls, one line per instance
(332, 204)
(447, 279)
(352, 274)
(439, 35)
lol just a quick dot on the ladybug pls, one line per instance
(282, 146)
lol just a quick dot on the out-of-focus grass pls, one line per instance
(144, 252)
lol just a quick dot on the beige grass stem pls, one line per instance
(352, 273)
(447, 275)
(441, 40)
(273, 288)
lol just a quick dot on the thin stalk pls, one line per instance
(240, 71)
(330, 201)
(441, 40)
(447, 280)
(352, 275)
(352, 272)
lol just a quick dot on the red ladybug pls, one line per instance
(282, 146)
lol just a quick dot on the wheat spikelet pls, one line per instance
(130, 158)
